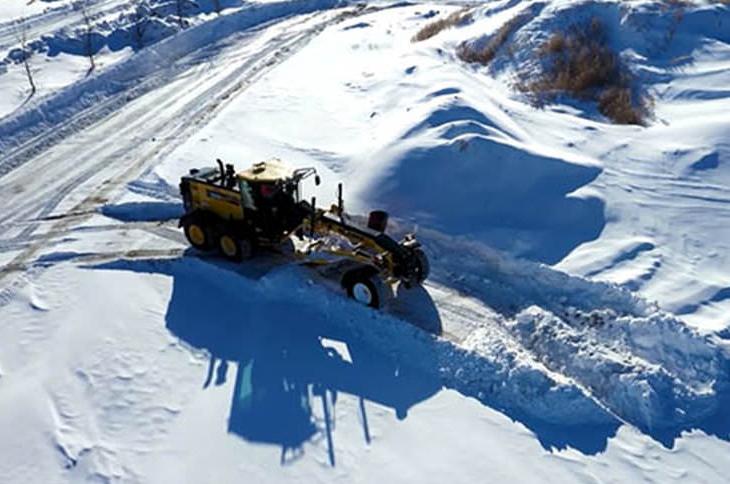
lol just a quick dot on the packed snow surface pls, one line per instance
(575, 325)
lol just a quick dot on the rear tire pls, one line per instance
(198, 234)
(233, 248)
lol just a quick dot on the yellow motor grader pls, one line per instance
(240, 213)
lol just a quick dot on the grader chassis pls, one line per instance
(242, 213)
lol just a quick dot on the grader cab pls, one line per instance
(241, 213)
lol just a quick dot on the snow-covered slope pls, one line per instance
(126, 357)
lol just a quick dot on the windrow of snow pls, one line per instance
(647, 366)
(510, 284)
(652, 372)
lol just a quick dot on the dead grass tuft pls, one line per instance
(579, 62)
(616, 104)
(468, 52)
(456, 18)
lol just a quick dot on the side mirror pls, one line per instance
(317, 180)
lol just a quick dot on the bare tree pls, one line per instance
(21, 33)
(141, 20)
(88, 37)
(180, 4)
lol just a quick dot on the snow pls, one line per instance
(12, 9)
(574, 327)
(135, 400)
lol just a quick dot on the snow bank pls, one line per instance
(653, 372)
(648, 367)
(118, 26)
(498, 191)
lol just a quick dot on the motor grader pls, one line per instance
(240, 214)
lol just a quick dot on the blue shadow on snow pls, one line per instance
(285, 368)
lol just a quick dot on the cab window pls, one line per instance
(246, 195)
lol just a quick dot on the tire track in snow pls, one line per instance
(165, 231)
(45, 120)
(55, 19)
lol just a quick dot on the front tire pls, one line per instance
(364, 287)
(423, 267)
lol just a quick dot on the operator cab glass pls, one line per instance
(246, 194)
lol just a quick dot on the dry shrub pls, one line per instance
(677, 3)
(467, 52)
(579, 62)
(554, 45)
(456, 18)
(616, 104)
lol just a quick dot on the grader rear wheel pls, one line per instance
(233, 248)
(198, 234)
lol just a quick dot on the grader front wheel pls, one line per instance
(365, 287)
(423, 267)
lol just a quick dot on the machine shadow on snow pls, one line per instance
(285, 367)
(282, 362)
(143, 211)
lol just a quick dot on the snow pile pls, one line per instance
(646, 366)
(653, 372)
(492, 186)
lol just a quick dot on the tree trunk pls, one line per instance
(89, 42)
(29, 74)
